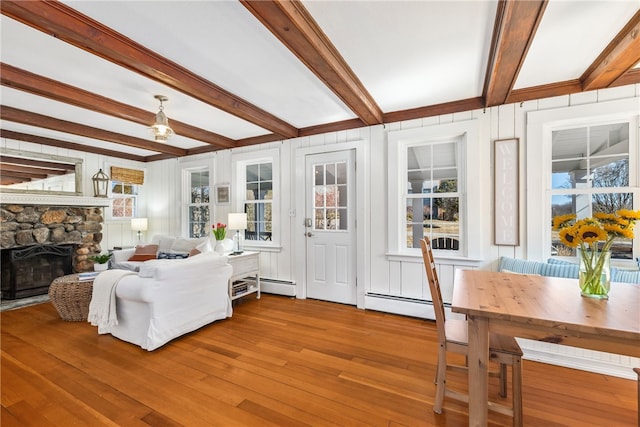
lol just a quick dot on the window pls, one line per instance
(124, 190)
(258, 203)
(330, 200)
(255, 189)
(125, 200)
(198, 206)
(586, 160)
(589, 174)
(431, 198)
(430, 193)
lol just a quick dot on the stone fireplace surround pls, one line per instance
(30, 220)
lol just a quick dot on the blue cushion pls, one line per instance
(560, 261)
(172, 255)
(564, 269)
(522, 266)
(625, 276)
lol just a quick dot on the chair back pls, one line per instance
(434, 287)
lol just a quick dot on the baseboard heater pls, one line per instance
(276, 286)
(413, 307)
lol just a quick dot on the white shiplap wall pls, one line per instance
(391, 283)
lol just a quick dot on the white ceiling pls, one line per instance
(407, 54)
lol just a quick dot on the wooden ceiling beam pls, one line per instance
(12, 167)
(32, 163)
(294, 26)
(5, 180)
(33, 119)
(69, 25)
(616, 59)
(25, 176)
(469, 104)
(515, 26)
(631, 77)
(19, 136)
(26, 81)
(545, 91)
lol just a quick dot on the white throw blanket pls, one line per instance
(102, 309)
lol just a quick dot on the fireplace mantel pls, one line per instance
(52, 200)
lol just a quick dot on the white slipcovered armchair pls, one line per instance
(169, 298)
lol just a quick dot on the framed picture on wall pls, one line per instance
(223, 194)
(506, 160)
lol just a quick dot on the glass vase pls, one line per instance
(595, 274)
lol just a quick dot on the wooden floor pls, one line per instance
(277, 362)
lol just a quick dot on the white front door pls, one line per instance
(330, 223)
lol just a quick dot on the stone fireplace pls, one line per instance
(40, 242)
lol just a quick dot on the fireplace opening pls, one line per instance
(29, 271)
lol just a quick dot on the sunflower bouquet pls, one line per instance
(588, 234)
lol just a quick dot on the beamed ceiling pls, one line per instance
(82, 75)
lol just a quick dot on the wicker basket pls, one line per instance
(71, 297)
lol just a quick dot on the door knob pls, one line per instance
(309, 234)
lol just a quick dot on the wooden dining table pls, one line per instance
(541, 308)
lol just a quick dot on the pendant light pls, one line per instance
(160, 128)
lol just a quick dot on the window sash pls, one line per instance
(198, 206)
(125, 200)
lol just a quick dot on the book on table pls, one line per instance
(90, 275)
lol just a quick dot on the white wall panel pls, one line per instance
(411, 274)
(384, 274)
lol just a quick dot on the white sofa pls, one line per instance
(169, 298)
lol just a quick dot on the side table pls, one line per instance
(246, 264)
(71, 297)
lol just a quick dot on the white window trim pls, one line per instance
(239, 163)
(468, 134)
(540, 125)
(186, 168)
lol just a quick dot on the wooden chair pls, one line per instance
(452, 336)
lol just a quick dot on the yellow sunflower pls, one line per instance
(617, 230)
(605, 217)
(628, 214)
(562, 220)
(591, 233)
(568, 237)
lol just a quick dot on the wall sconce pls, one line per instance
(139, 225)
(237, 221)
(161, 130)
(100, 184)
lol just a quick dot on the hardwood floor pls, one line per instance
(277, 362)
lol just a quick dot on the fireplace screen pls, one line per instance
(29, 271)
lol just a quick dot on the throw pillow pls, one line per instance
(144, 253)
(560, 270)
(625, 276)
(523, 266)
(142, 257)
(182, 245)
(165, 243)
(202, 247)
(173, 255)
